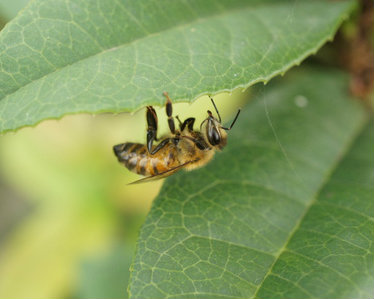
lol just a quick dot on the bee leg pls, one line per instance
(179, 121)
(152, 127)
(160, 145)
(199, 144)
(169, 113)
(189, 122)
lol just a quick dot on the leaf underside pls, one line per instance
(285, 211)
(59, 57)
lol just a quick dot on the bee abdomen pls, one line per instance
(132, 155)
(136, 158)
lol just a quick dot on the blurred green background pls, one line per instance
(68, 219)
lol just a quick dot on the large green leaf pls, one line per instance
(70, 56)
(285, 211)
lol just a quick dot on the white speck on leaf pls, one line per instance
(301, 101)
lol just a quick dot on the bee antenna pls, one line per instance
(201, 125)
(233, 122)
(215, 107)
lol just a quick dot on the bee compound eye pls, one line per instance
(213, 136)
(216, 137)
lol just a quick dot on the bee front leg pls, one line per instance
(151, 128)
(200, 145)
(189, 122)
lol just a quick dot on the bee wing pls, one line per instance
(162, 174)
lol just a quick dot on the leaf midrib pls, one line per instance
(325, 180)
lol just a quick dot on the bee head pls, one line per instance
(212, 130)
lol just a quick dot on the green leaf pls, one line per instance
(285, 211)
(60, 57)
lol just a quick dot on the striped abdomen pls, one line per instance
(136, 158)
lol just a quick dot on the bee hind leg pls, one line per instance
(151, 128)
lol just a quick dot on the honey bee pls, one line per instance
(184, 148)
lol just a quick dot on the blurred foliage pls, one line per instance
(9, 9)
(105, 276)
